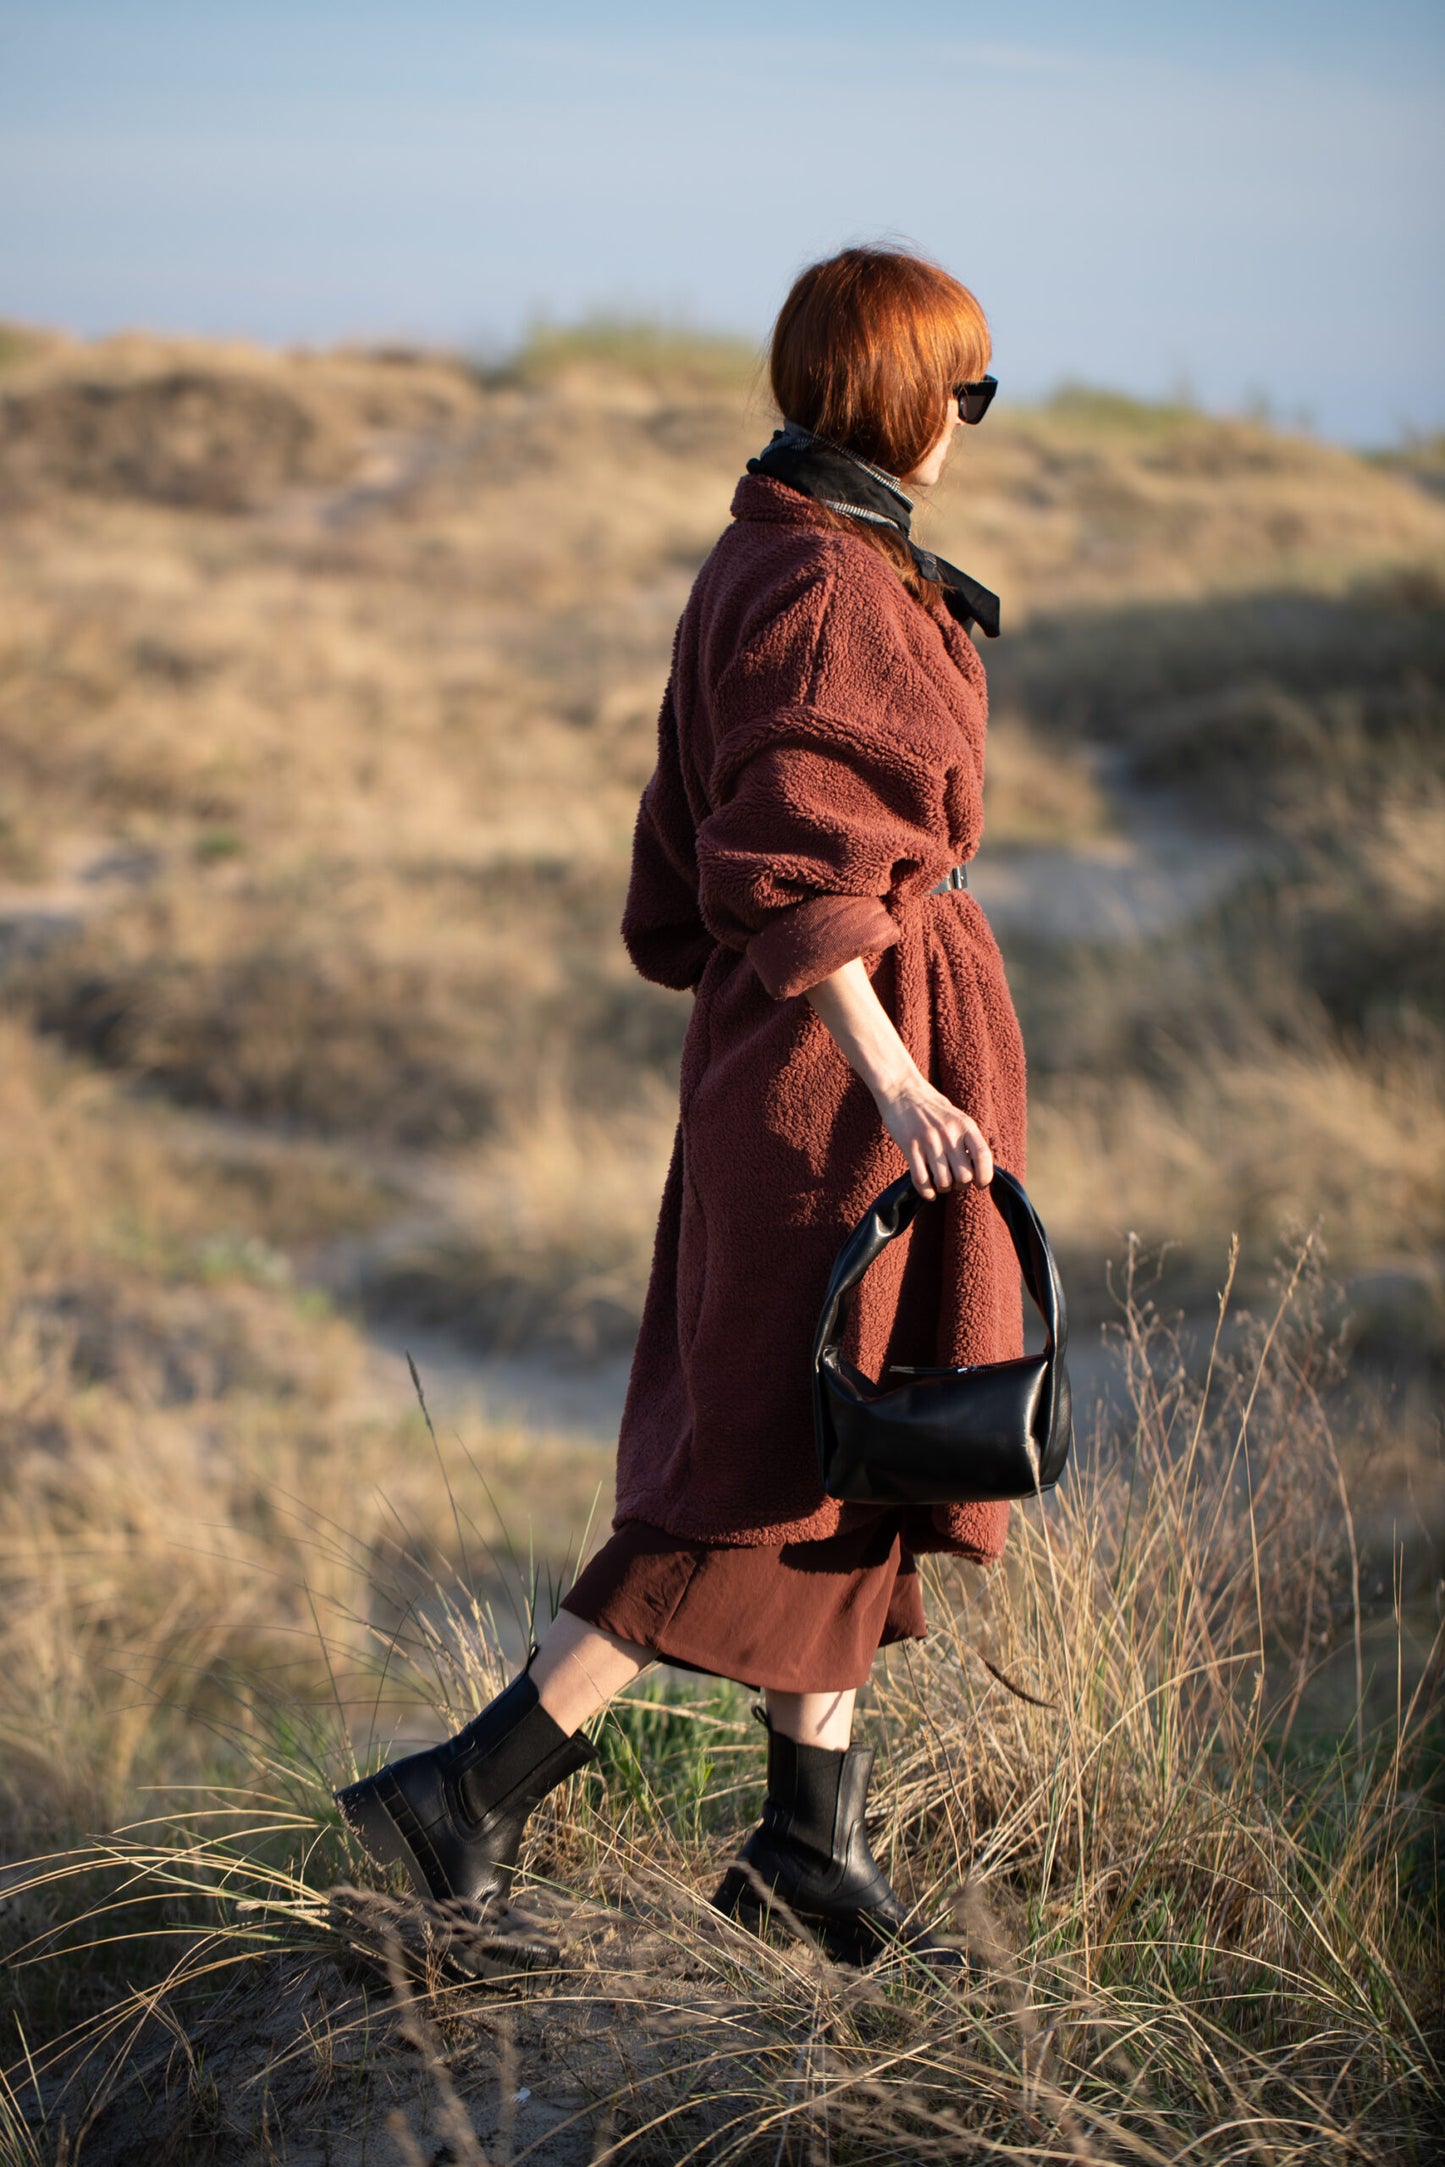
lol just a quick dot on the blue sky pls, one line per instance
(1246, 199)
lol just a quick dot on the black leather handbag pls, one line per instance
(945, 1436)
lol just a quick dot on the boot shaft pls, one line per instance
(511, 1755)
(810, 1854)
(816, 1794)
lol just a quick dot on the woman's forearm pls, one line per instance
(864, 1029)
(944, 1146)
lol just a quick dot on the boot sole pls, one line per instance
(375, 1829)
(739, 1900)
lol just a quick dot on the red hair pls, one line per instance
(867, 347)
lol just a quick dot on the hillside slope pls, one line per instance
(328, 683)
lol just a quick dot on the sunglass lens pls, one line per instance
(974, 399)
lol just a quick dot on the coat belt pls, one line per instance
(955, 877)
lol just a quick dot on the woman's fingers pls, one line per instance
(945, 1147)
(961, 1155)
(945, 1162)
(918, 1167)
(955, 1161)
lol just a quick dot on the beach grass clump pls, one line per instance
(1145, 1773)
(674, 355)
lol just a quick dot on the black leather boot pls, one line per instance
(810, 1852)
(453, 1816)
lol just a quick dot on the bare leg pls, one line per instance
(814, 1719)
(578, 1668)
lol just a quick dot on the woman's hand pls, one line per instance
(945, 1147)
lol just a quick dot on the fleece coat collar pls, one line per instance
(835, 478)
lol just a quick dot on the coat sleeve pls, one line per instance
(822, 803)
(661, 928)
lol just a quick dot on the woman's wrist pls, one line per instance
(895, 1082)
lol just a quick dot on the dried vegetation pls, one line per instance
(327, 686)
(1201, 1923)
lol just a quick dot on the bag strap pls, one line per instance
(893, 1212)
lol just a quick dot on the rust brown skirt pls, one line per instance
(802, 1617)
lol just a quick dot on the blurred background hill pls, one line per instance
(327, 691)
(328, 685)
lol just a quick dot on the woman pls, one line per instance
(798, 863)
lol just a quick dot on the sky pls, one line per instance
(1243, 202)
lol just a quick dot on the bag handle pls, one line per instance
(893, 1211)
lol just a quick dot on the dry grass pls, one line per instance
(327, 686)
(186, 1435)
(1200, 1927)
(1289, 1132)
(324, 798)
(549, 1228)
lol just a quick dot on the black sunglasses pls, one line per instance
(974, 399)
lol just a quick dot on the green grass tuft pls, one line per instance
(655, 352)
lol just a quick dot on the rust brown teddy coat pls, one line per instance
(819, 769)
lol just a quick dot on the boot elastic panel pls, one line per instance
(512, 1754)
